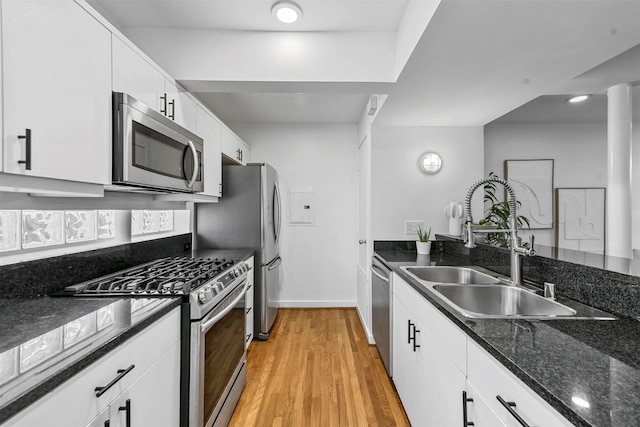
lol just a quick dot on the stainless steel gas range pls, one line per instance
(213, 356)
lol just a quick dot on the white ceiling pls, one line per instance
(476, 60)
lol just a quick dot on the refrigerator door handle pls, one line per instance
(276, 212)
(274, 264)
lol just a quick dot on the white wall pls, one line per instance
(401, 192)
(579, 151)
(318, 261)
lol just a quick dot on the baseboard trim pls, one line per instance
(316, 304)
(364, 326)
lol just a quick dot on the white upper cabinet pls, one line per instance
(56, 82)
(234, 148)
(180, 107)
(134, 75)
(209, 129)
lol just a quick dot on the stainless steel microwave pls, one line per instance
(151, 152)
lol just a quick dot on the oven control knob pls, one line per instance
(218, 287)
(202, 297)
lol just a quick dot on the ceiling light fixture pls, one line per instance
(286, 12)
(578, 98)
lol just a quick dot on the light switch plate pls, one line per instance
(411, 227)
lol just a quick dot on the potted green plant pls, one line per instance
(497, 213)
(423, 245)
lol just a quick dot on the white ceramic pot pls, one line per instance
(423, 248)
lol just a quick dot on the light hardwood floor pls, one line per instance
(317, 369)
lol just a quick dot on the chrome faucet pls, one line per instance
(516, 251)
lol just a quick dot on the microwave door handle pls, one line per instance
(196, 164)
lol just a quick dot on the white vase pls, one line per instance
(423, 248)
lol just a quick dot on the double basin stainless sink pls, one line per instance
(480, 295)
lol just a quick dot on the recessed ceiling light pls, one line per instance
(578, 98)
(287, 12)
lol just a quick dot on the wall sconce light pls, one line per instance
(430, 163)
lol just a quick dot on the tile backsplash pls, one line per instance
(33, 229)
(28, 229)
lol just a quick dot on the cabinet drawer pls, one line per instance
(491, 379)
(479, 412)
(448, 336)
(74, 402)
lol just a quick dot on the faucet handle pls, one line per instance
(529, 251)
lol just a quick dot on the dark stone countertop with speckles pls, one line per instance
(597, 360)
(45, 341)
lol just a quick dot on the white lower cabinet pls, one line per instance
(477, 411)
(445, 379)
(427, 380)
(492, 381)
(144, 403)
(144, 369)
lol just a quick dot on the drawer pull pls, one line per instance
(509, 406)
(465, 400)
(121, 373)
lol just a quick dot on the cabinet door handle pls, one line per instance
(238, 154)
(107, 423)
(172, 114)
(465, 400)
(249, 310)
(409, 332)
(509, 406)
(121, 373)
(127, 414)
(163, 109)
(27, 149)
(415, 341)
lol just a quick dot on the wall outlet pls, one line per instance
(411, 227)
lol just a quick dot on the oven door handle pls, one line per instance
(209, 323)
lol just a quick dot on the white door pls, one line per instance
(364, 241)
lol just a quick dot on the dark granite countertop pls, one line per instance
(595, 360)
(45, 341)
(237, 254)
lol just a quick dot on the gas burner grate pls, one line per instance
(163, 277)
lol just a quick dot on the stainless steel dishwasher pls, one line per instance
(381, 311)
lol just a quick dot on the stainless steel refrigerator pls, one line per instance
(247, 216)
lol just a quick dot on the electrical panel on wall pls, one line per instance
(301, 206)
